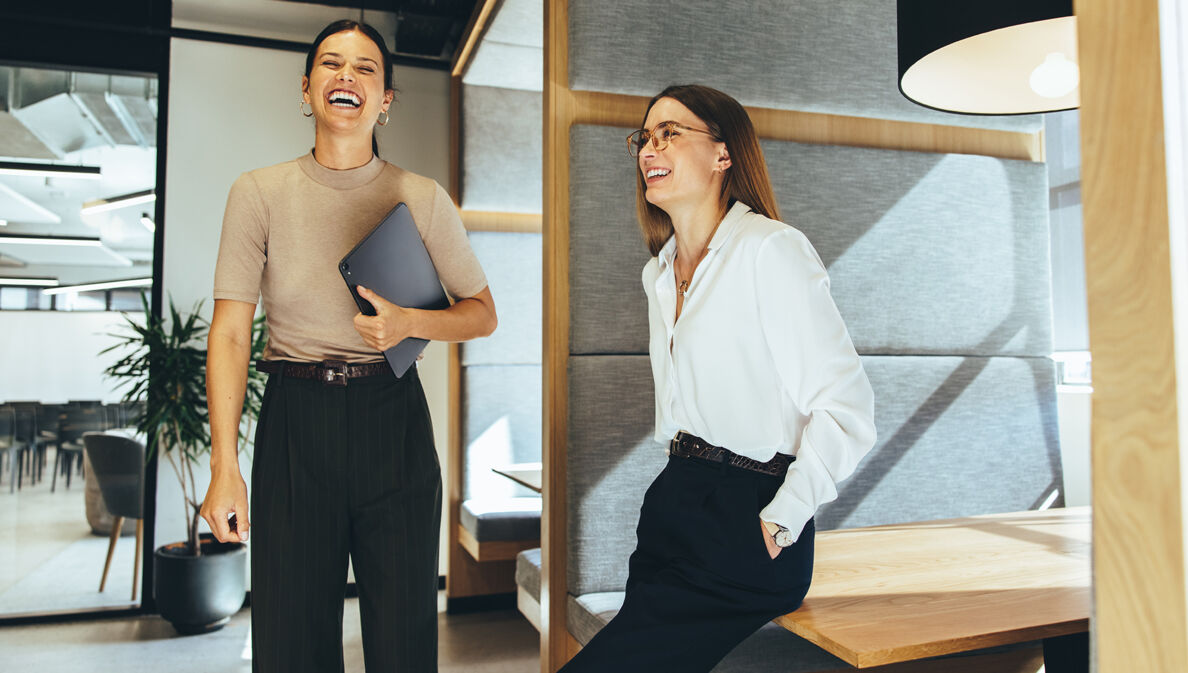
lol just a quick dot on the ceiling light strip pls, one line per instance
(28, 281)
(108, 285)
(49, 170)
(76, 241)
(133, 199)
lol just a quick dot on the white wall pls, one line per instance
(234, 108)
(53, 356)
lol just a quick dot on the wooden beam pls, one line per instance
(1138, 526)
(471, 35)
(478, 220)
(592, 107)
(456, 158)
(558, 111)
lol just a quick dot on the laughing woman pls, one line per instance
(760, 396)
(344, 463)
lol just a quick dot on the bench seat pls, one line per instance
(496, 529)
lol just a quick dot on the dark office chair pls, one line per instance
(118, 464)
(75, 420)
(8, 443)
(24, 446)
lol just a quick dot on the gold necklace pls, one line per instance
(683, 287)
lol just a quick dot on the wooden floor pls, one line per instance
(486, 642)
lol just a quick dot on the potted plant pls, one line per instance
(199, 582)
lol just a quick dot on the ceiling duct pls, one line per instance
(67, 112)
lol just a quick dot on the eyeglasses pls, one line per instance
(660, 136)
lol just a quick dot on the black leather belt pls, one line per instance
(685, 445)
(329, 372)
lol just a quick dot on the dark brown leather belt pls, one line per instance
(329, 372)
(685, 445)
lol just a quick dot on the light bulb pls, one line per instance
(1056, 77)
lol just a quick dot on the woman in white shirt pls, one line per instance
(760, 395)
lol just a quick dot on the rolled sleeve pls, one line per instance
(819, 369)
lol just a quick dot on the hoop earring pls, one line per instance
(302, 108)
(386, 118)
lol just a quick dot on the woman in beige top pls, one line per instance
(344, 464)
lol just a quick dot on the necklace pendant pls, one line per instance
(684, 288)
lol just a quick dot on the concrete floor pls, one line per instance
(486, 642)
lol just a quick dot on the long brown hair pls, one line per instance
(746, 180)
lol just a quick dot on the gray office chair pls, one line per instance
(118, 464)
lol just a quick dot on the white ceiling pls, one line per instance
(63, 124)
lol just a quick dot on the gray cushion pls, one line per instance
(927, 253)
(771, 648)
(956, 437)
(512, 263)
(492, 519)
(501, 425)
(501, 140)
(815, 55)
(528, 572)
(611, 460)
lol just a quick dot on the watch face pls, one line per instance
(783, 538)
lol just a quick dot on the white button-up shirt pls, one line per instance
(760, 360)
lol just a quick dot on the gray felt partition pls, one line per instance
(501, 374)
(501, 140)
(927, 253)
(611, 459)
(812, 55)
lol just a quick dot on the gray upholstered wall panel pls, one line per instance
(607, 307)
(611, 460)
(512, 262)
(814, 55)
(510, 52)
(928, 253)
(501, 149)
(956, 437)
(501, 424)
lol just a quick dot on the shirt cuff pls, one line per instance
(788, 511)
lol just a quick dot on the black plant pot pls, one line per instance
(198, 594)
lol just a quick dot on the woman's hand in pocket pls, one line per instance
(773, 549)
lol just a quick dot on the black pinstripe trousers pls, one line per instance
(700, 579)
(338, 472)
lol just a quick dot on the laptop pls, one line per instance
(392, 262)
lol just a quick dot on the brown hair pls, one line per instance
(746, 180)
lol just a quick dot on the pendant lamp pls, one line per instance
(988, 57)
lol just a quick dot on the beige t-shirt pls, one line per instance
(287, 226)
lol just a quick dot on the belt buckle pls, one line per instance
(334, 372)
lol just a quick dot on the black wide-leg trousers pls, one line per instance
(700, 579)
(338, 472)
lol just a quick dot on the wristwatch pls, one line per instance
(783, 536)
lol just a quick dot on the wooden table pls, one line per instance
(527, 474)
(909, 591)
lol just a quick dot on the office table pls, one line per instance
(527, 474)
(910, 591)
